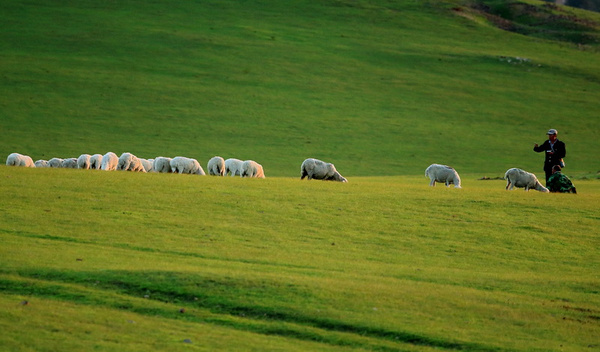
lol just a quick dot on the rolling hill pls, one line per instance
(376, 87)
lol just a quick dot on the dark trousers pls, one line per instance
(548, 171)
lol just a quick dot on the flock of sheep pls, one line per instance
(129, 162)
(310, 168)
(217, 166)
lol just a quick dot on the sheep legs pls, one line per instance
(304, 174)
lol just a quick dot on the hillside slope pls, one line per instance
(377, 87)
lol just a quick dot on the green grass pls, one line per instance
(385, 87)
(108, 260)
(380, 263)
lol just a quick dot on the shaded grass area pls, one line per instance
(210, 294)
(100, 327)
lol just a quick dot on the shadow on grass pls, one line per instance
(228, 302)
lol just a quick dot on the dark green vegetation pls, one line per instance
(548, 21)
(373, 86)
(120, 261)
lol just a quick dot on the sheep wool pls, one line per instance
(83, 162)
(69, 163)
(516, 177)
(251, 168)
(41, 163)
(96, 161)
(443, 174)
(320, 170)
(233, 167)
(55, 162)
(147, 164)
(183, 165)
(161, 164)
(16, 159)
(109, 161)
(216, 166)
(130, 162)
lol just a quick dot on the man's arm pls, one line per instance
(540, 148)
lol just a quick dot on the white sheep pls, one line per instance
(183, 165)
(125, 161)
(516, 177)
(216, 166)
(137, 166)
(83, 162)
(16, 159)
(55, 162)
(161, 164)
(41, 163)
(233, 167)
(320, 170)
(96, 161)
(251, 168)
(109, 162)
(69, 163)
(442, 173)
(147, 163)
(130, 162)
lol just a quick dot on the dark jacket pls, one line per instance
(560, 151)
(560, 183)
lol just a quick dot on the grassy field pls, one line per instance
(136, 262)
(106, 260)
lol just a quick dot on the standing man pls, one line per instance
(555, 151)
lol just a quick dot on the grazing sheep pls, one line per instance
(55, 162)
(125, 161)
(233, 166)
(442, 173)
(109, 162)
(320, 170)
(16, 159)
(41, 163)
(251, 168)
(96, 161)
(147, 163)
(83, 162)
(69, 163)
(216, 166)
(130, 162)
(137, 166)
(183, 165)
(161, 164)
(520, 178)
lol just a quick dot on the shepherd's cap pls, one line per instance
(552, 131)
